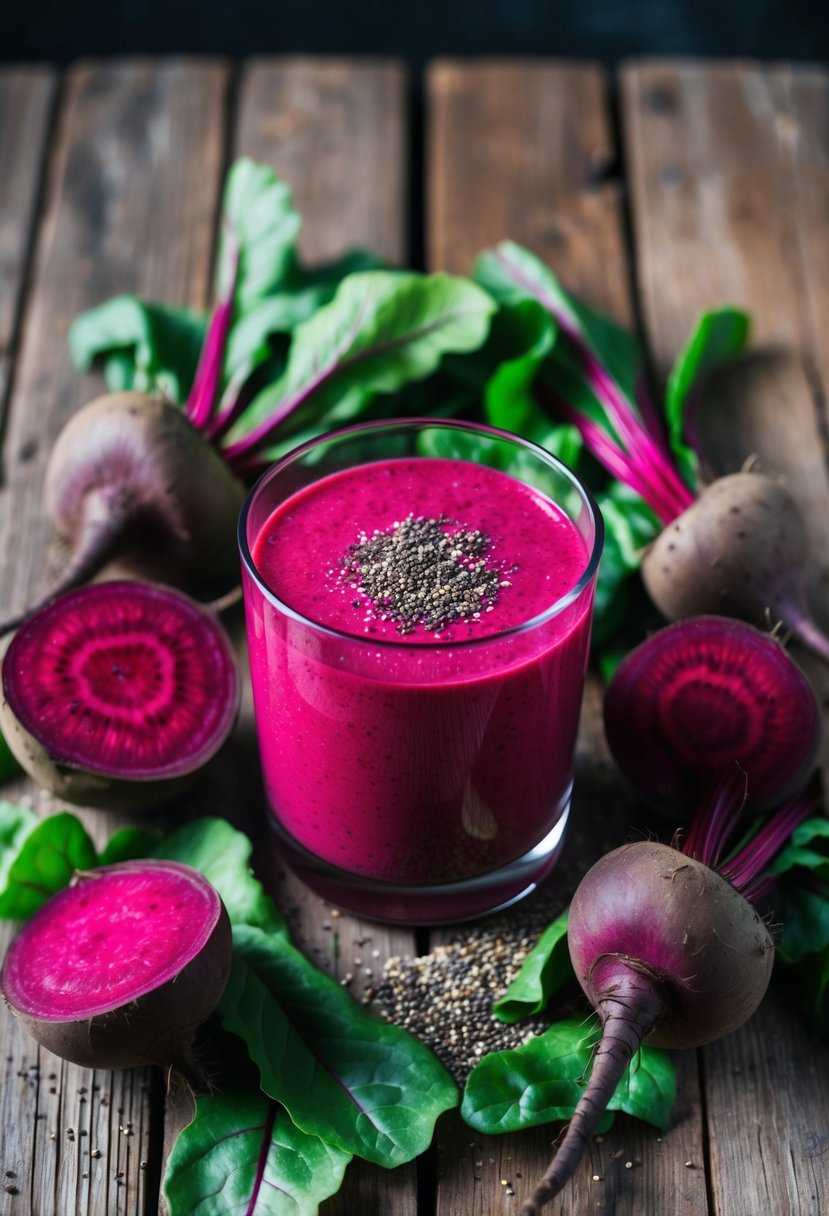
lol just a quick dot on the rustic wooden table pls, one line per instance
(653, 193)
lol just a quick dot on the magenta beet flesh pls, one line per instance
(124, 679)
(703, 696)
(121, 967)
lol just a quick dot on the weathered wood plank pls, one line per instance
(333, 128)
(729, 181)
(127, 132)
(766, 1091)
(26, 100)
(524, 150)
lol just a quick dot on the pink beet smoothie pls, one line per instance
(418, 751)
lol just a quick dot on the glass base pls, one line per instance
(425, 904)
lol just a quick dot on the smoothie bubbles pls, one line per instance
(418, 598)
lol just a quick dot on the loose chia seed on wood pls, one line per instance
(419, 573)
(445, 998)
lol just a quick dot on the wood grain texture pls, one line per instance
(26, 100)
(332, 129)
(768, 1115)
(524, 151)
(730, 195)
(132, 189)
(729, 179)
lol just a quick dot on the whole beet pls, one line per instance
(667, 917)
(133, 488)
(667, 951)
(134, 459)
(740, 550)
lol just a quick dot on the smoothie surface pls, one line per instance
(419, 550)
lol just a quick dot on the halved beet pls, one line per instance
(116, 693)
(703, 697)
(122, 967)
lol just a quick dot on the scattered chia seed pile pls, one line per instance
(418, 573)
(445, 997)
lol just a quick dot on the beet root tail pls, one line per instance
(807, 633)
(100, 537)
(632, 1005)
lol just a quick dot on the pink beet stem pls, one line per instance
(650, 460)
(716, 817)
(615, 459)
(204, 393)
(646, 449)
(645, 455)
(744, 870)
(264, 1153)
(629, 1010)
(641, 466)
(650, 415)
(233, 401)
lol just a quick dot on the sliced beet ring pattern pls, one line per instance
(706, 694)
(123, 679)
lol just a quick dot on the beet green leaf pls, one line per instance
(257, 249)
(127, 844)
(9, 766)
(38, 858)
(382, 330)
(629, 527)
(511, 273)
(802, 896)
(509, 392)
(142, 346)
(806, 984)
(359, 1083)
(222, 855)
(542, 1081)
(807, 849)
(717, 337)
(543, 971)
(242, 1156)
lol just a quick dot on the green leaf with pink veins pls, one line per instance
(382, 330)
(364, 1085)
(242, 1156)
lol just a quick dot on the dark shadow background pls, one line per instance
(60, 31)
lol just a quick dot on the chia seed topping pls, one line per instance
(427, 572)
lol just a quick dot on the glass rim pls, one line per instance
(415, 424)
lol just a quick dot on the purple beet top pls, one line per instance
(430, 738)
